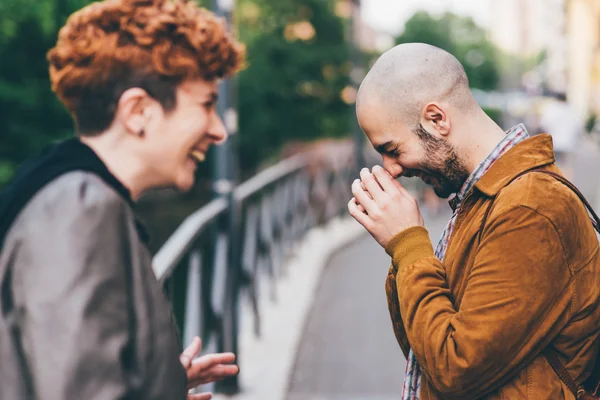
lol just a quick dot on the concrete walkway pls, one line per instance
(348, 349)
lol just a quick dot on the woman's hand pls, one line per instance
(207, 368)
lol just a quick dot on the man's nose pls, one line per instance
(392, 166)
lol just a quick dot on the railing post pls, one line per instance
(225, 178)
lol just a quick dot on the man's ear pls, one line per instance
(133, 111)
(435, 117)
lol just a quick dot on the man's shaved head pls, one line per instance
(409, 76)
(416, 108)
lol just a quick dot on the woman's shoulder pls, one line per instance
(76, 196)
(78, 189)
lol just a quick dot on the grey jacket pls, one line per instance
(94, 322)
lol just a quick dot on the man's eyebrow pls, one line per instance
(385, 147)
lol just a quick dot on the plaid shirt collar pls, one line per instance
(513, 136)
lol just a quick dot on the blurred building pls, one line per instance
(368, 38)
(556, 62)
(568, 34)
(516, 26)
(551, 29)
(520, 27)
(371, 39)
(583, 55)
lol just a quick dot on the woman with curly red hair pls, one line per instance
(88, 318)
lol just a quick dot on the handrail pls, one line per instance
(180, 241)
(269, 176)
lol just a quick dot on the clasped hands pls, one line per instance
(382, 205)
(207, 368)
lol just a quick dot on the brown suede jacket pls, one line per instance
(478, 321)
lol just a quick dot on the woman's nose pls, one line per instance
(218, 131)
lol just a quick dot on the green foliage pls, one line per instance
(291, 88)
(30, 114)
(495, 114)
(514, 66)
(461, 37)
(590, 123)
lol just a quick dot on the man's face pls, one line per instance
(178, 137)
(414, 152)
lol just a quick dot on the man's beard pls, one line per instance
(442, 163)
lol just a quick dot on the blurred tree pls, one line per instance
(297, 71)
(30, 114)
(463, 38)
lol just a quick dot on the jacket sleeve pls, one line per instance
(72, 270)
(394, 308)
(516, 300)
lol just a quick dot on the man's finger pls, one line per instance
(360, 207)
(362, 197)
(357, 214)
(384, 179)
(190, 352)
(398, 185)
(362, 185)
(371, 184)
(402, 189)
(200, 396)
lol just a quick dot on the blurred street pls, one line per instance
(348, 350)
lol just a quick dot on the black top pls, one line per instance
(54, 161)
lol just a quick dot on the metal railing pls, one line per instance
(221, 253)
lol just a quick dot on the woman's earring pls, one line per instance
(141, 132)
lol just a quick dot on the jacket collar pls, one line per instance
(531, 153)
(41, 169)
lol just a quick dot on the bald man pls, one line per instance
(510, 296)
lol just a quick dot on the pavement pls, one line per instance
(348, 349)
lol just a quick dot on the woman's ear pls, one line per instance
(132, 111)
(435, 117)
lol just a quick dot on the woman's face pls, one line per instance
(180, 138)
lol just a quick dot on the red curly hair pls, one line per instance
(113, 45)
